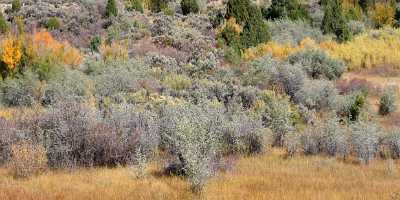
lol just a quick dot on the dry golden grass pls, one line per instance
(270, 176)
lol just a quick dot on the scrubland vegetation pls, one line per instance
(235, 99)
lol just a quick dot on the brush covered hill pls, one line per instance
(199, 99)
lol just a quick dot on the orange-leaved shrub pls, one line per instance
(11, 52)
(43, 45)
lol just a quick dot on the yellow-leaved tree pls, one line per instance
(11, 52)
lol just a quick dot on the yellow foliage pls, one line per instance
(114, 51)
(368, 49)
(276, 50)
(231, 22)
(43, 44)
(383, 14)
(11, 52)
(6, 114)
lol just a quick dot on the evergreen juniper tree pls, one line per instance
(189, 6)
(291, 9)
(255, 30)
(334, 20)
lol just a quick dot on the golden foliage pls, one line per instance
(368, 49)
(276, 50)
(114, 51)
(6, 114)
(231, 22)
(44, 45)
(383, 14)
(11, 52)
(364, 51)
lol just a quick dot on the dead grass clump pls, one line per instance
(27, 160)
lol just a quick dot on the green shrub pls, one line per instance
(189, 6)
(16, 5)
(168, 11)
(135, 5)
(111, 8)
(388, 101)
(158, 5)
(231, 38)
(335, 22)
(95, 43)
(366, 4)
(238, 9)
(356, 106)
(4, 27)
(53, 23)
(255, 30)
(291, 9)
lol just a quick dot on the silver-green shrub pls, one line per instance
(318, 64)
(286, 31)
(365, 140)
(23, 90)
(193, 135)
(317, 94)
(394, 142)
(278, 118)
(388, 100)
(291, 78)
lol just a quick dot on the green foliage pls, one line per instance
(16, 5)
(53, 23)
(388, 101)
(4, 27)
(335, 22)
(95, 43)
(135, 5)
(255, 31)
(158, 5)
(356, 107)
(111, 8)
(249, 16)
(238, 9)
(231, 38)
(366, 4)
(291, 9)
(189, 6)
